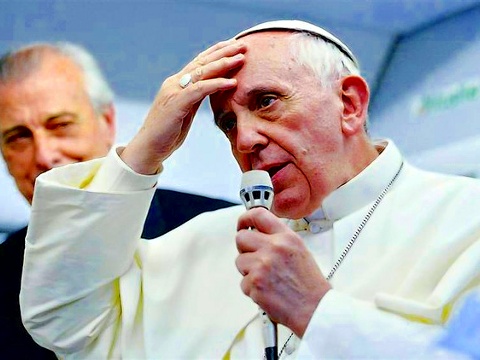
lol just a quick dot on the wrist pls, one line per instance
(140, 160)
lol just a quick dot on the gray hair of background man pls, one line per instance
(326, 61)
(21, 62)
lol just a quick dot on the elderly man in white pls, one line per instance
(362, 256)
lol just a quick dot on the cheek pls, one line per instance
(292, 183)
(293, 202)
(242, 160)
(17, 164)
(302, 192)
(83, 146)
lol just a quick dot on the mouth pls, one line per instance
(273, 170)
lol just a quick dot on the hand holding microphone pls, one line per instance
(280, 273)
(257, 191)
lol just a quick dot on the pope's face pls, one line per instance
(280, 119)
(47, 120)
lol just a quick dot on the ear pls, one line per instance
(355, 97)
(109, 123)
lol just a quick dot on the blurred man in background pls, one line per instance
(56, 108)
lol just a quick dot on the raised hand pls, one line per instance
(170, 117)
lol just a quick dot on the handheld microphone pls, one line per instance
(257, 191)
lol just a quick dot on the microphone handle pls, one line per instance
(270, 337)
(269, 331)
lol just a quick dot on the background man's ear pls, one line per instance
(355, 97)
(109, 123)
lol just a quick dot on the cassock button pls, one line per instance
(291, 346)
(289, 349)
(314, 228)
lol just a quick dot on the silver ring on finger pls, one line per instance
(185, 80)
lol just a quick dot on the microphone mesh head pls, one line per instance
(256, 177)
(256, 189)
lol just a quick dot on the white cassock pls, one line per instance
(92, 289)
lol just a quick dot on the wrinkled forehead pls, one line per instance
(268, 54)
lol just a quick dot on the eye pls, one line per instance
(61, 122)
(266, 100)
(17, 141)
(227, 124)
(57, 125)
(17, 136)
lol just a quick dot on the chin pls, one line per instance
(291, 207)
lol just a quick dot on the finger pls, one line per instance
(249, 240)
(244, 263)
(248, 265)
(204, 81)
(246, 286)
(217, 68)
(262, 220)
(200, 59)
(255, 282)
(196, 92)
(218, 45)
(220, 50)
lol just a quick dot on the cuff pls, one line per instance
(114, 175)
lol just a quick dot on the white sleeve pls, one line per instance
(86, 222)
(346, 328)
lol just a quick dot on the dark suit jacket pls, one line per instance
(168, 210)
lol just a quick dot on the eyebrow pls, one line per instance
(60, 114)
(260, 90)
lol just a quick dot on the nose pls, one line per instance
(249, 137)
(46, 152)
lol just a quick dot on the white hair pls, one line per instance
(324, 58)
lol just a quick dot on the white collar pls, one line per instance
(364, 188)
